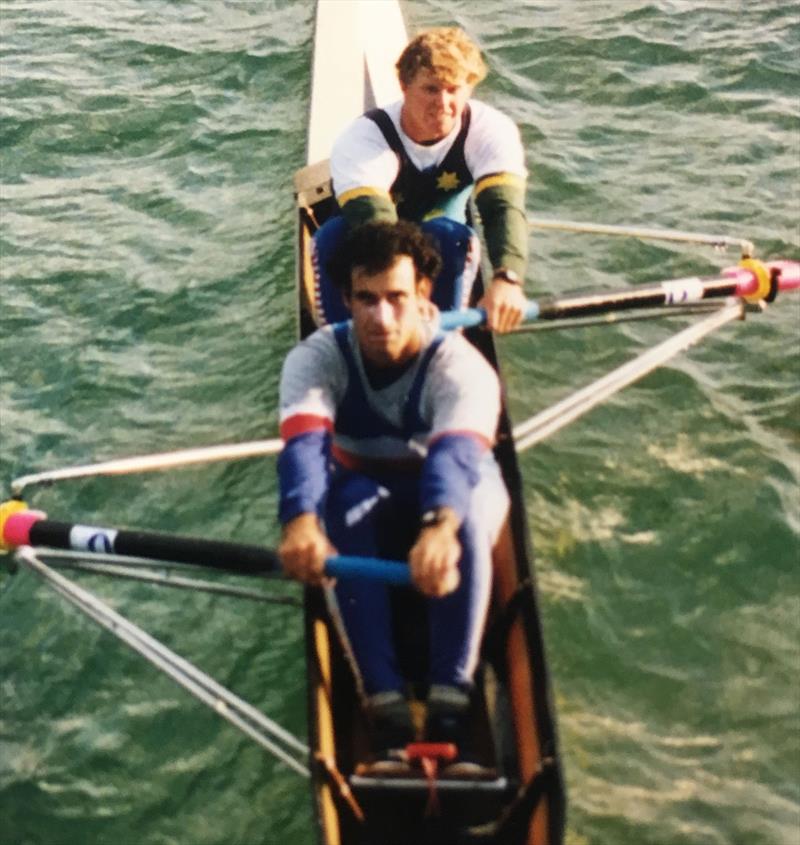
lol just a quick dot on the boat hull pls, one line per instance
(512, 716)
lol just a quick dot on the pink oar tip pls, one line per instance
(17, 527)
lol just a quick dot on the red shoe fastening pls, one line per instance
(429, 755)
(438, 751)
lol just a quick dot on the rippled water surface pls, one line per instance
(147, 302)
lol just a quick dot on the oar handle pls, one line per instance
(468, 318)
(371, 568)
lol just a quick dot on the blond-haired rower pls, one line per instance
(421, 159)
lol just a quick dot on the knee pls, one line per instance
(488, 506)
(459, 248)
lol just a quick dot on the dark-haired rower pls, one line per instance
(388, 428)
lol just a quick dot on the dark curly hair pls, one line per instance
(375, 247)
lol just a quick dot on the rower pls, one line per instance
(388, 427)
(421, 159)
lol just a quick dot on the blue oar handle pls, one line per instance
(467, 318)
(388, 571)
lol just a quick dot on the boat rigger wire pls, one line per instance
(260, 728)
(156, 572)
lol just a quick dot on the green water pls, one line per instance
(147, 301)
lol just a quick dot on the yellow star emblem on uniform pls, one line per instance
(447, 181)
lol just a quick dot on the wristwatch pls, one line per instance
(507, 276)
(435, 516)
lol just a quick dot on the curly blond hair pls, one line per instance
(445, 51)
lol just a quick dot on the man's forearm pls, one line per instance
(501, 206)
(450, 472)
(302, 474)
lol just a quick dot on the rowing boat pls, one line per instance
(514, 713)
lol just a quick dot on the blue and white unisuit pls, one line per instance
(369, 460)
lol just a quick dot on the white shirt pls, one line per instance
(361, 157)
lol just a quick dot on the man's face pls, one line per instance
(431, 106)
(386, 312)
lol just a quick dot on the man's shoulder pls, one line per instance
(458, 343)
(361, 156)
(323, 336)
(319, 344)
(484, 116)
(461, 360)
(314, 366)
(363, 129)
(493, 143)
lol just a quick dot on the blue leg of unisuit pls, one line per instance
(457, 620)
(357, 507)
(460, 252)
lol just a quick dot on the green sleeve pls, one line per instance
(505, 226)
(366, 208)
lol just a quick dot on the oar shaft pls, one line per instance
(32, 528)
(733, 281)
(150, 463)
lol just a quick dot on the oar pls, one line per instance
(751, 280)
(22, 527)
(149, 463)
(717, 241)
(370, 568)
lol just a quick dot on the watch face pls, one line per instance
(430, 518)
(508, 276)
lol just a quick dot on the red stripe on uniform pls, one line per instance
(299, 424)
(483, 441)
(376, 466)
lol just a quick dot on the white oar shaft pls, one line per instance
(557, 416)
(228, 705)
(717, 241)
(149, 463)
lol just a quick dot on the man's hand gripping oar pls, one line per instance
(305, 549)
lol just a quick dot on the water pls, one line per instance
(147, 296)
